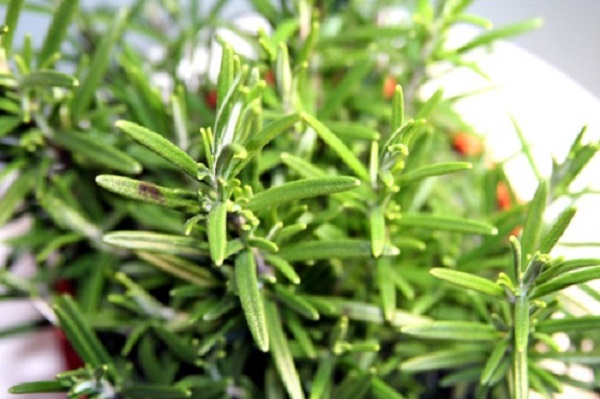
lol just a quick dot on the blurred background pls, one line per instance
(567, 40)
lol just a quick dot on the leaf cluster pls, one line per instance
(303, 235)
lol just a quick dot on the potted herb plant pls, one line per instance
(305, 223)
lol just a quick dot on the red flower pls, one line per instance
(503, 197)
(389, 87)
(210, 98)
(467, 144)
(270, 77)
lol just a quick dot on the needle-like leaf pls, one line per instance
(342, 249)
(534, 221)
(469, 281)
(387, 287)
(448, 223)
(437, 169)
(448, 358)
(494, 361)
(252, 301)
(98, 65)
(301, 189)
(338, 146)
(217, 232)
(566, 280)
(45, 79)
(556, 231)
(160, 145)
(284, 362)
(94, 150)
(453, 330)
(182, 200)
(57, 29)
(156, 242)
(377, 226)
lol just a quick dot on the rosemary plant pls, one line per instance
(306, 225)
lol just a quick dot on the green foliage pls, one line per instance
(303, 234)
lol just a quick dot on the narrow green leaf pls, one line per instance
(66, 216)
(301, 335)
(350, 82)
(134, 336)
(80, 335)
(186, 201)
(179, 346)
(11, 20)
(566, 280)
(246, 281)
(272, 130)
(387, 287)
(283, 73)
(93, 149)
(303, 167)
(296, 303)
(263, 244)
(226, 75)
(341, 249)
(377, 226)
(521, 375)
(453, 330)
(8, 124)
(381, 390)
(284, 268)
(494, 361)
(444, 359)
(217, 232)
(155, 391)
(156, 242)
(362, 311)
(397, 109)
(57, 30)
(556, 231)
(39, 387)
(160, 146)
(448, 223)
(13, 196)
(321, 383)
(182, 268)
(566, 266)
(591, 358)
(98, 65)
(301, 189)
(501, 33)
(355, 386)
(469, 281)
(437, 169)
(534, 221)
(521, 326)
(337, 146)
(282, 356)
(569, 324)
(352, 130)
(517, 256)
(291, 230)
(46, 79)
